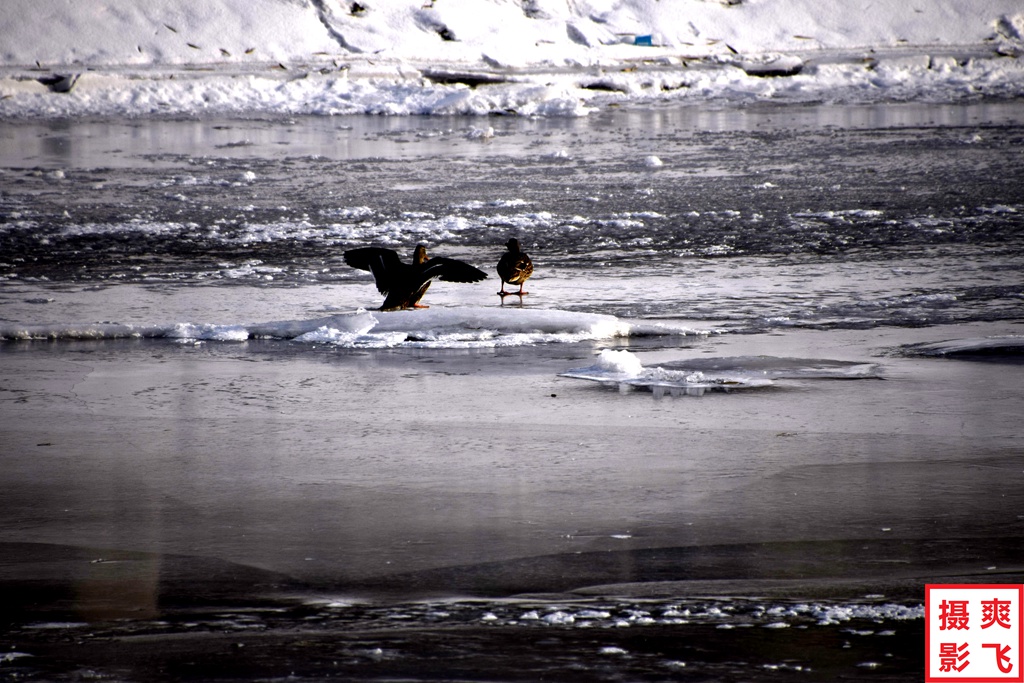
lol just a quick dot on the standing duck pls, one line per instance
(404, 284)
(514, 267)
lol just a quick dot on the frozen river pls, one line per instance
(766, 385)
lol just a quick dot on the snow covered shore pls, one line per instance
(524, 57)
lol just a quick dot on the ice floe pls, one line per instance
(1004, 346)
(465, 327)
(623, 370)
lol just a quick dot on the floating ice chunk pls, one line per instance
(329, 335)
(249, 269)
(653, 162)
(621, 363)
(775, 368)
(989, 347)
(438, 327)
(612, 650)
(593, 614)
(476, 204)
(337, 604)
(11, 656)
(624, 370)
(434, 322)
(560, 618)
(349, 212)
(57, 625)
(189, 331)
(9, 331)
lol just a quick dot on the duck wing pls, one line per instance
(450, 270)
(385, 265)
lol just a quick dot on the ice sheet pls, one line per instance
(1007, 347)
(623, 369)
(436, 327)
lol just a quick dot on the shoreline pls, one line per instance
(335, 86)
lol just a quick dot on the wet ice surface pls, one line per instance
(191, 371)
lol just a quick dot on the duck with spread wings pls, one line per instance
(404, 284)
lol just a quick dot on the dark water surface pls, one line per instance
(894, 215)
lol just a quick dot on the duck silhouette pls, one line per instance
(404, 284)
(514, 267)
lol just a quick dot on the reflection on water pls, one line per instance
(127, 590)
(90, 144)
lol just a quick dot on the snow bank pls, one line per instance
(479, 32)
(528, 57)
